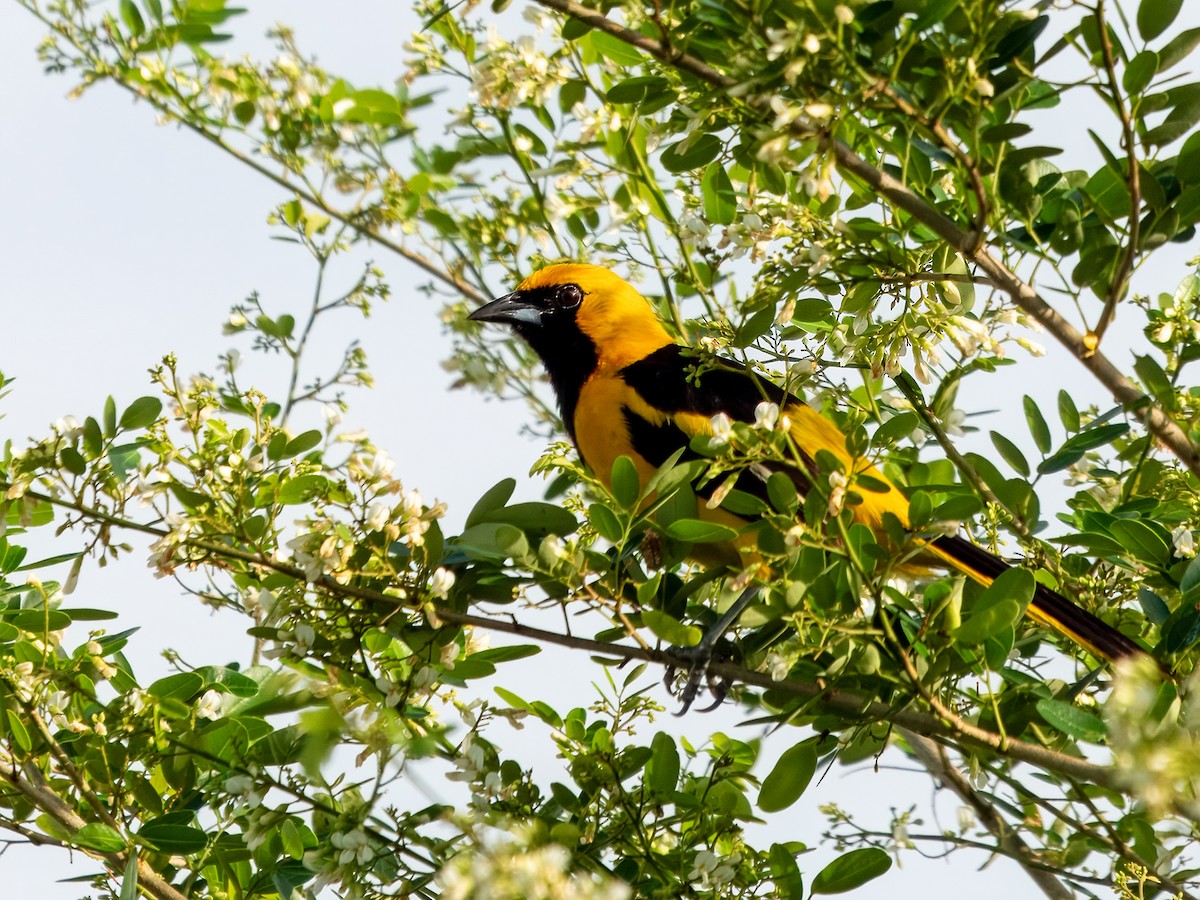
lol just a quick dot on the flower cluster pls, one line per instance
(1154, 730)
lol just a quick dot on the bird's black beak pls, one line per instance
(511, 308)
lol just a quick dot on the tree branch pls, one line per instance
(848, 704)
(933, 757)
(966, 242)
(29, 783)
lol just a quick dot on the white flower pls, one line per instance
(426, 676)
(392, 692)
(1033, 348)
(966, 818)
(305, 636)
(820, 112)
(812, 43)
(378, 516)
(239, 784)
(441, 582)
(766, 415)
(412, 504)
(837, 496)
(68, 427)
(711, 872)
(844, 14)
(722, 428)
(777, 666)
(795, 536)
(209, 706)
(1184, 542)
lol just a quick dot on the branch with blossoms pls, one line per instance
(176, 547)
(971, 243)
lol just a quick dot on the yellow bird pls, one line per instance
(625, 387)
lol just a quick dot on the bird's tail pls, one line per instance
(1047, 608)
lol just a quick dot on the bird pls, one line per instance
(626, 387)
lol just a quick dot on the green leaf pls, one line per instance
(720, 201)
(1068, 412)
(72, 460)
(493, 498)
(617, 50)
(1155, 16)
(1074, 448)
(625, 482)
(20, 734)
(1181, 631)
(110, 417)
(132, 18)
(789, 778)
(98, 836)
(782, 868)
(696, 531)
(129, 881)
(1005, 131)
(671, 629)
(1177, 50)
(781, 491)
(534, 517)
(80, 614)
(606, 523)
(1037, 425)
(508, 653)
(1096, 437)
(141, 412)
(662, 772)
(39, 621)
(691, 153)
(230, 679)
(169, 837)
(289, 836)
(302, 489)
(851, 870)
(180, 686)
(493, 540)
(1010, 453)
(633, 90)
(123, 459)
(302, 442)
(1141, 69)
(1109, 193)
(1070, 719)
(1154, 606)
(1142, 541)
(988, 621)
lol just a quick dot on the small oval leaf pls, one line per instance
(851, 870)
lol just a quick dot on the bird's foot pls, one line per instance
(700, 656)
(696, 659)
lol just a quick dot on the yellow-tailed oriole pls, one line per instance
(625, 387)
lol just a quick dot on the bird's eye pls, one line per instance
(569, 296)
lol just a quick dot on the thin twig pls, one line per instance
(1133, 179)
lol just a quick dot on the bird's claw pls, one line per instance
(697, 659)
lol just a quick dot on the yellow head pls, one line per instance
(579, 317)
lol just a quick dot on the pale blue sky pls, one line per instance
(122, 241)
